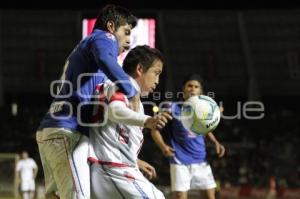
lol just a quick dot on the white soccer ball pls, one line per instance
(200, 114)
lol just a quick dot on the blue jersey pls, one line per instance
(93, 61)
(189, 147)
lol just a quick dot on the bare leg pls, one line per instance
(209, 193)
(180, 195)
(31, 194)
(25, 195)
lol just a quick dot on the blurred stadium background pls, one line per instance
(245, 53)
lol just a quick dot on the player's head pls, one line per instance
(24, 155)
(192, 85)
(144, 64)
(119, 21)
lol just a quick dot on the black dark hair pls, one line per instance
(143, 55)
(193, 76)
(119, 15)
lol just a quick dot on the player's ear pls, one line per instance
(110, 26)
(139, 70)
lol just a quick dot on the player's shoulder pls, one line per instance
(100, 34)
(29, 161)
(32, 163)
(19, 163)
(112, 92)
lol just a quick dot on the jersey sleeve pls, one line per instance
(18, 167)
(34, 165)
(120, 113)
(118, 108)
(103, 50)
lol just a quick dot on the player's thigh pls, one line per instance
(25, 186)
(50, 185)
(65, 170)
(143, 187)
(120, 183)
(76, 180)
(210, 193)
(180, 177)
(102, 184)
(60, 162)
(81, 165)
(180, 195)
(28, 185)
(202, 177)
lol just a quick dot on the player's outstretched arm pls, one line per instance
(158, 139)
(120, 113)
(220, 149)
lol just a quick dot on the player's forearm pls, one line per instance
(212, 138)
(156, 136)
(35, 171)
(120, 113)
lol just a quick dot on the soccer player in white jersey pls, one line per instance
(114, 147)
(26, 173)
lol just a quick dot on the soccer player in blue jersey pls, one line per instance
(62, 136)
(186, 150)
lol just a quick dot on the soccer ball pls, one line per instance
(200, 114)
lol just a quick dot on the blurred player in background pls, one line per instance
(114, 147)
(62, 134)
(187, 152)
(272, 192)
(26, 173)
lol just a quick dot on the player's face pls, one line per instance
(191, 88)
(24, 155)
(123, 36)
(150, 79)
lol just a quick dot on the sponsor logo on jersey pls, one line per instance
(110, 36)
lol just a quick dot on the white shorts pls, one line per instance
(27, 185)
(193, 176)
(119, 183)
(64, 159)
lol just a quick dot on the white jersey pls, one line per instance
(115, 144)
(114, 148)
(26, 167)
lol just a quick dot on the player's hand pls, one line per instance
(221, 109)
(168, 151)
(220, 149)
(162, 119)
(158, 121)
(148, 170)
